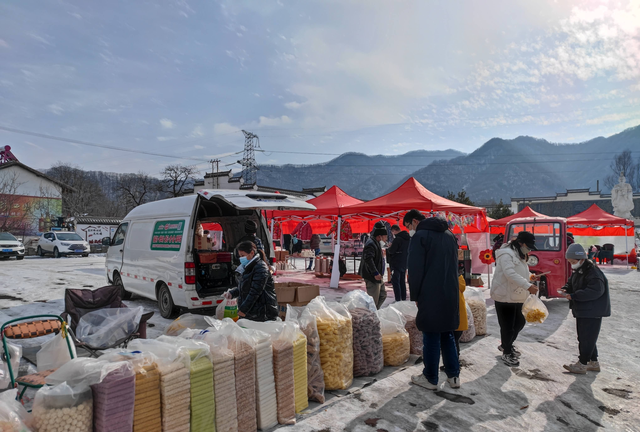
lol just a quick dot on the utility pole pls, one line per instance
(248, 162)
(215, 168)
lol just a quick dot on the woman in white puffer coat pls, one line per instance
(511, 287)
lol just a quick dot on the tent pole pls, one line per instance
(626, 245)
(488, 235)
(335, 272)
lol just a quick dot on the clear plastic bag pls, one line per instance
(395, 339)
(186, 321)
(470, 332)
(55, 352)
(13, 416)
(86, 371)
(336, 345)
(368, 356)
(474, 297)
(227, 308)
(63, 408)
(315, 377)
(534, 310)
(409, 311)
(103, 328)
(15, 353)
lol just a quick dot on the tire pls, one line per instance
(20, 258)
(117, 281)
(85, 255)
(167, 308)
(40, 252)
(544, 290)
(56, 253)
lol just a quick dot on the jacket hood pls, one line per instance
(433, 224)
(404, 235)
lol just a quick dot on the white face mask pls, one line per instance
(382, 243)
(577, 265)
(412, 232)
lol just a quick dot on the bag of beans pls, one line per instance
(475, 299)
(409, 311)
(367, 336)
(63, 408)
(336, 345)
(470, 332)
(395, 339)
(315, 377)
(242, 345)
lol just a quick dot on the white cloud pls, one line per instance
(167, 124)
(55, 109)
(4, 43)
(166, 138)
(40, 39)
(293, 105)
(198, 147)
(197, 132)
(273, 121)
(224, 128)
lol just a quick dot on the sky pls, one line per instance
(313, 79)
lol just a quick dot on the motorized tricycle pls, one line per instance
(549, 260)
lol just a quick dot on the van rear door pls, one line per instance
(251, 200)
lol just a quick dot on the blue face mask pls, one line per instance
(244, 260)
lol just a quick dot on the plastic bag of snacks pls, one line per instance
(175, 391)
(470, 332)
(282, 335)
(200, 381)
(367, 335)
(63, 408)
(186, 321)
(336, 345)
(266, 401)
(13, 416)
(534, 310)
(241, 343)
(315, 377)
(475, 299)
(409, 311)
(395, 339)
(227, 308)
(15, 353)
(300, 370)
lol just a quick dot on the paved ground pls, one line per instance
(537, 396)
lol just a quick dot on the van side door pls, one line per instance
(115, 253)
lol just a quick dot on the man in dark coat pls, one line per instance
(372, 264)
(588, 291)
(397, 258)
(314, 245)
(433, 285)
(250, 231)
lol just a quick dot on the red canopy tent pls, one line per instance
(412, 195)
(498, 225)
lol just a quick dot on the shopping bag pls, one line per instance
(228, 308)
(54, 353)
(15, 353)
(534, 310)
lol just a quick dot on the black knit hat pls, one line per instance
(379, 229)
(250, 227)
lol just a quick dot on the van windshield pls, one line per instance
(548, 235)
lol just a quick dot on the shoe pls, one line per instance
(454, 382)
(422, 381)
(510, 360)
(514, 351)
(576, 368)
(593, 366)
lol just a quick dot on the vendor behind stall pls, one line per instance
(250, 229)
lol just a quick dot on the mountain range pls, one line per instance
(499, 169)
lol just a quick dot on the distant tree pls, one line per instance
(500, 211)
(624, 162)
(175, 177)
(136, 189)
(81, 194)
(461, 197)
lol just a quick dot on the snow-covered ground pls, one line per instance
(537, 396)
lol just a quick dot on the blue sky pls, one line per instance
(183, 77)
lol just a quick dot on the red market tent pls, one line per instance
(596, 222)
(412, 195)
(498, 225)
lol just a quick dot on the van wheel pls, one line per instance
(40, 252)
(56, 253)
(20, 258)
(165, 303)
(117, 281)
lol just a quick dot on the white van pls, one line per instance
(180, 250)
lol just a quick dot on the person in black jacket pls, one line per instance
(372, 264)
(397, 258)
(256, 291)
(588, 292)
(434, 286)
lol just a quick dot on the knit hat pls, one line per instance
(379, 229)
(250, 227)
(576, 252)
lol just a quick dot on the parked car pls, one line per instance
(62, 243)
(156, 251)
(10, 246)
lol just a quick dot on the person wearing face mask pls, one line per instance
(372, 264)
(588, 293)
(511, 287)
(256, 292)
(397, 257)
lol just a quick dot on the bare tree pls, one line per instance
(16, 212)
(175, 177)
(624, 162)
(136, 189)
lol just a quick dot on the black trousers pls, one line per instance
(457, 335)
(588, 330)
(511, 322)
(398, 279)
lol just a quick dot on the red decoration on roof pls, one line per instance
(7, 156)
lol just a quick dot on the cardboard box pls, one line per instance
(476, 282)
(460, 255)
(295, 294)
(281, 256)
